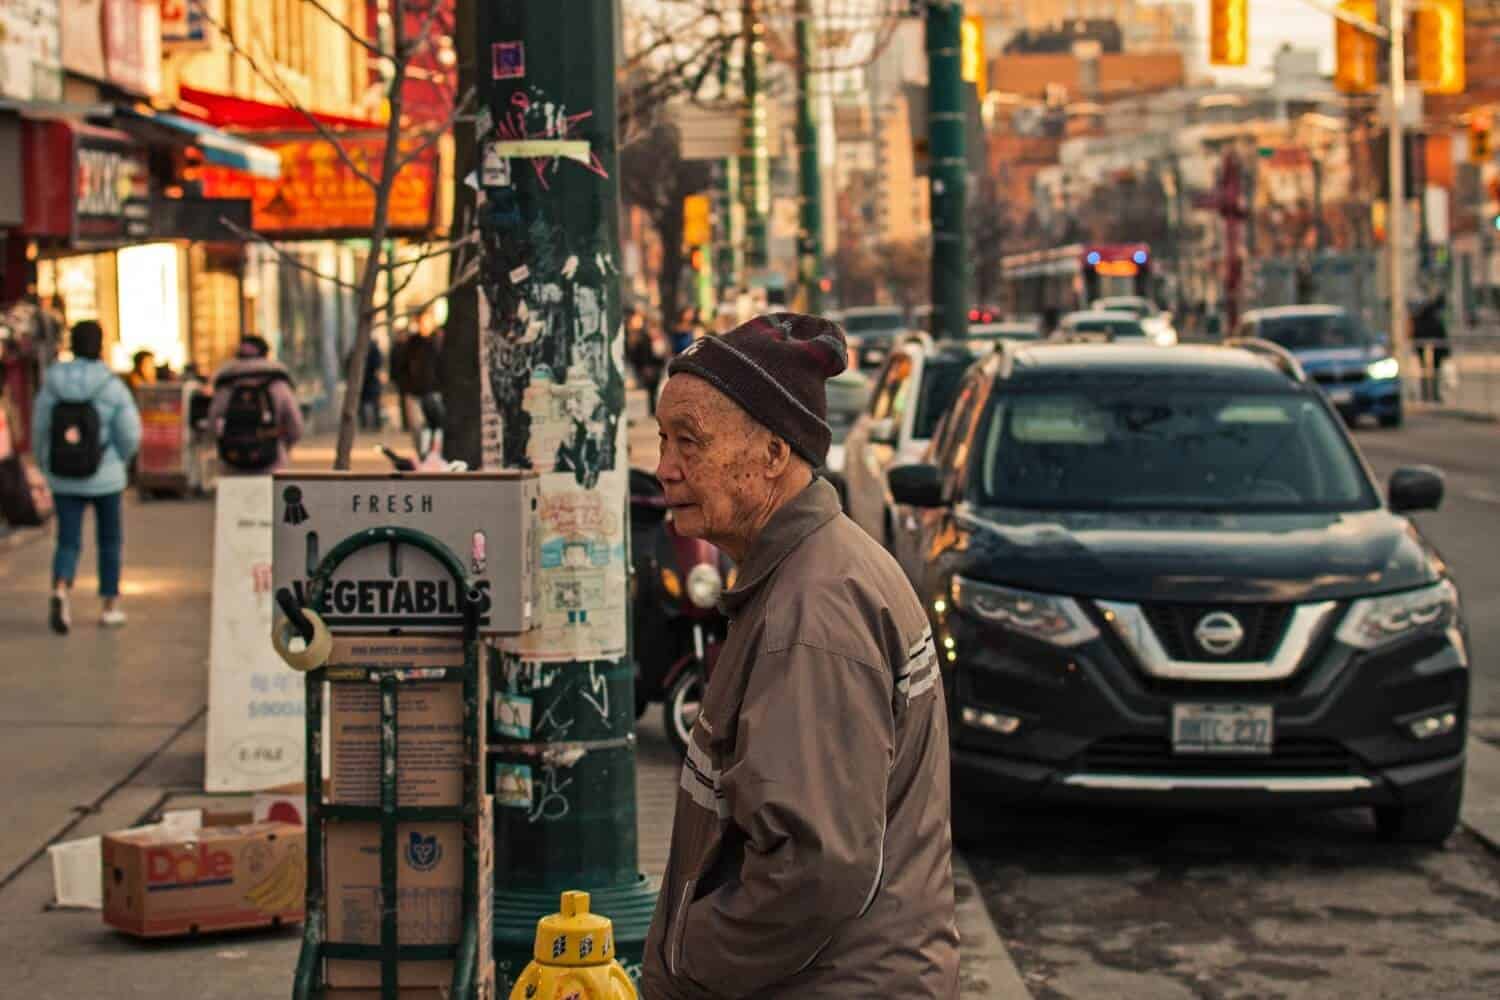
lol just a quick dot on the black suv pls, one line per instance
(1166, 575)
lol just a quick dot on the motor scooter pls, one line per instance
(675, 585)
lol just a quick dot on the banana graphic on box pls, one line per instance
(284, 888)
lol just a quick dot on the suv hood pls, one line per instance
(1196, 558)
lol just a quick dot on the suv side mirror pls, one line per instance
(916, 485)
(884, 432)
(1415, 487)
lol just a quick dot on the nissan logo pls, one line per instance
(1219, 632)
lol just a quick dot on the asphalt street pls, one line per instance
(1130, 904)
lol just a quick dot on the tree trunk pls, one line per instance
(354, 377)
(669, 282)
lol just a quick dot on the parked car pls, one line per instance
(1353, 366)
(1100, 327)
(1156, 323)
(987, 336)
(1168, 577)
(872, 331)
(908, 398)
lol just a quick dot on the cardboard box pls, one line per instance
(229, 874)
(429, 723)
(429, 890)
(484, 518)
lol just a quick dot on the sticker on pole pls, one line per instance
(508, 60)
(513, 785)
(513, 716)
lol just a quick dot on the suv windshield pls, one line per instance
(1313, 331)
(941, 378)
(877, 323)
(1110, 447)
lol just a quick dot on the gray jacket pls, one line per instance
(811, 853)
(283, 397)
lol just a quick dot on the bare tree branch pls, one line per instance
(446, 248)
(354, 36)
(252, 236)
(278, 83)
(437, 132)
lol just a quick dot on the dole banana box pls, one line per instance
(429, 890)
(229, 874)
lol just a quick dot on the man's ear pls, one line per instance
(778, 456)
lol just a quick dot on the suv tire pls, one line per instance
(1392, 419)
(1428, 821)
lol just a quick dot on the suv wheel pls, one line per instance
(1392, 419)
(1429, 821)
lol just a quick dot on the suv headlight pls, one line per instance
(704, 585)
(1050, 618)
(1376, 621)
(1384, 368)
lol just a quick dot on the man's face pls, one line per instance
(708, 468)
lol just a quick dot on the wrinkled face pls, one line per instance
(712, 464)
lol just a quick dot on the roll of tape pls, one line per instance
(314, 654)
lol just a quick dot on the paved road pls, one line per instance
(1464, 529)
(1095, 903)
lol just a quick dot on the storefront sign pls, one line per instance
(163, 429)
(83, 38)
(31, 50)
(89, 185)
(112, 193)
(183, 25)
(132, 45)
(317, 193)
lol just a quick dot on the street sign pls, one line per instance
(719, 133)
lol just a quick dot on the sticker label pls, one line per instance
(508, 60)
(495, 171)
(520, 274)
(513, 785)
(513, 716)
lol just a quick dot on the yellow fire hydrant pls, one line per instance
(574, 957)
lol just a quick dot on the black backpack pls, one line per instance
(76, 447)
(248, 440)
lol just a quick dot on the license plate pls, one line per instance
(1226, 729)
(1340, 396)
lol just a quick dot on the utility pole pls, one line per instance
(461, 336)
(562, 744)
(755, 163)
(810, 230)
(948, 170)
(1395, 222)
(729, 215)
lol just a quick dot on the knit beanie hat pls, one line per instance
(774, 367)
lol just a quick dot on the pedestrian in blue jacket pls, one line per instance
(87, 429)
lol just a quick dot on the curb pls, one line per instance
(1481, 809)
(985, 967)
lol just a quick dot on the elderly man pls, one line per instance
(811, 854)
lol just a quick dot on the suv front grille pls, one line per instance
(1263, 624)
(1153, 755)
(1347, 377)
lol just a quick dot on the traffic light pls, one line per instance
(1358, 51)
(1228, 32)
(695, 258)
(1479, 137)
(1440, 46)
(971, 54)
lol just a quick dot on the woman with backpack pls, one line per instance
(255, 414)
(87, 430)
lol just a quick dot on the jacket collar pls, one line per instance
(788, 528)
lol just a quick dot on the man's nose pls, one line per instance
(667, 469)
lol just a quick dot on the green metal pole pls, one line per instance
(810, 231)
(945, 129)
(727, 229)
(755, 164)
(562, 755)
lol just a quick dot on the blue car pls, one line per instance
(1352, 366)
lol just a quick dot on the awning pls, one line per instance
(217, 146)
(242, 113)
